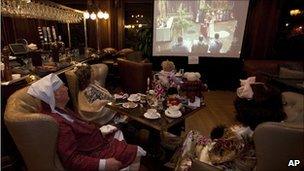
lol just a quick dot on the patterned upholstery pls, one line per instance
(99, 74)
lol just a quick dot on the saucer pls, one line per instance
(171, 115)
(152, 116)
(129, 105)
(134, 98)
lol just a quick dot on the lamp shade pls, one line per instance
(106, 15)
(100, 14)
(86, 15)
(93, 16)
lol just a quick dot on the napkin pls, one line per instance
(107, 129)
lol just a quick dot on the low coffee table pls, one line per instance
(156, 127)
(161, 124)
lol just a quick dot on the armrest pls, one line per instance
(277, 143)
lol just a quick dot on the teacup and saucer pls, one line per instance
(173, 112)
(152, 114)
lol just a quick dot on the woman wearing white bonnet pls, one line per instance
(80, 145)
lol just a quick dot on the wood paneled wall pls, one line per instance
(13, 29)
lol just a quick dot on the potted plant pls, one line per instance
(145, 41)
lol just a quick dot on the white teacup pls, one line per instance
(173, 110)
(151, 111)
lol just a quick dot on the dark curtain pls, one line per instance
(261, 29)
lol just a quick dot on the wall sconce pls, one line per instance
(106, 15)
(86, 15)
(103, 15)
(93, 16)
(100, 14)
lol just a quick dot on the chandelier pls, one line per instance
(40, 9)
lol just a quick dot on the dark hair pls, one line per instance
(216, 36)
(266, 105)
(217, 132)
(83, 74)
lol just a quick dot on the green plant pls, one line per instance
(182, 22)
(145, 41)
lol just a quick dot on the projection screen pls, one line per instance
(207, 28)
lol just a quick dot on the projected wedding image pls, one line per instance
(199, 27)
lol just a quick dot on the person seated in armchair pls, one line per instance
(92, 99)
(231, 147)
(81, 145)
(257, 102)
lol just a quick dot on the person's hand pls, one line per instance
(113, 165)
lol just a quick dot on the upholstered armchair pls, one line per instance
(35, 134)
(108, 55)
(99, 74)
(133, 75)
(276, 143)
